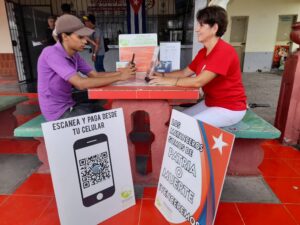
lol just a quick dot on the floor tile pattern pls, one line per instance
(33, 202)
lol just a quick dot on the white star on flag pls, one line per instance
(219, 143)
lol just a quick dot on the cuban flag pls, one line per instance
(136, 14)
(217, 150)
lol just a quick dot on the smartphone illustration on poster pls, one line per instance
(95, 174)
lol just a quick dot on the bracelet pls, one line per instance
(176, 82)
(163, 74)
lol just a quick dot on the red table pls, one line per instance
(136, 95)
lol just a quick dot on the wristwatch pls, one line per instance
(94, 54)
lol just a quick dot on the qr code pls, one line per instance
(94, 169)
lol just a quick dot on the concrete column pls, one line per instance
(5, 43)
(199, 4)
(7, 58)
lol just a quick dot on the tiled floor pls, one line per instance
(33, 203)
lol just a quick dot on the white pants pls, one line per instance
(215, 116)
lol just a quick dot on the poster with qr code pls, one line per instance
(90, 166)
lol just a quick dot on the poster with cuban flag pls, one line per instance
(192, 175)
(136, 16)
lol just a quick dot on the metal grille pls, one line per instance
(171, 19)
(110, 17)
(27, 22)
(14, 32)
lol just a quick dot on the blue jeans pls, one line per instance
(99, 63)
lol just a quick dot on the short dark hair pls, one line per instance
(212, 15)
(52, 17)
(66, 8)
(92, 18)
(60, 38)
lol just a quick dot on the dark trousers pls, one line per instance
(99, 66)
(82, 109)
(83, 105)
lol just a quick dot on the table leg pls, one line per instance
(42, 156)
(159, 114)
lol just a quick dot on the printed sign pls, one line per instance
(142, 45)
(170, 52)
(193, 171)
(90, 166)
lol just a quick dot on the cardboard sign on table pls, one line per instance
(90, 166)
(193, 171)
(170, 53)
(142, 45)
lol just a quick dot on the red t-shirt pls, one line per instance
(226, 90)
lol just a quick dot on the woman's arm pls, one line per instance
(199, 81)
(186, 72)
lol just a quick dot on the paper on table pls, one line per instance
(138, 80)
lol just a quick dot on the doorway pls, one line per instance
(18, 39)
(283, 44)
(27, 24)
(238, 36)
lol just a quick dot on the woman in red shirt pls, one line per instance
(217, 70)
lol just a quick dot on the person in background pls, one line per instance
(49, 40)
(217, 70)
(66, 10)
(97, 40)
(58, 70)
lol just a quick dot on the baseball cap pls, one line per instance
(71, 24)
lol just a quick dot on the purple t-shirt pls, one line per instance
(55, 68)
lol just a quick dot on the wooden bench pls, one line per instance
(7, 118)
(247, 153)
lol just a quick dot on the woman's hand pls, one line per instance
(157, 80)
(156, 74)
